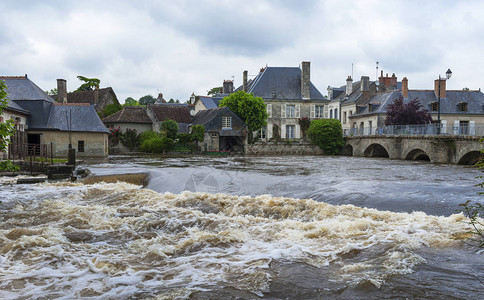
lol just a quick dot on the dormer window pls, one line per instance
(434, 106)
(226, 122)
(462, 106)
(273, 92)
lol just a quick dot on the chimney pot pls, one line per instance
(405, 87)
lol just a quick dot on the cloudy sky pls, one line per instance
(184, 46)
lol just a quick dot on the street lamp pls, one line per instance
(448, 74)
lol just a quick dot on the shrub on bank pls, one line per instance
(327, 134)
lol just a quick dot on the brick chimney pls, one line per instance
(349, 86)
(244, 81)
(61, 91)
(442, 87)
(96, 96)
(228, 87)
(365, 87)
(306, 80)
(390, 83)
(405, 87)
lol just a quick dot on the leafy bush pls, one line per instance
(147, 135)
(114, 136)
(170, 127)
(327, 134)
(304, 123)
(157, 144)
(252, 110)
(411, 113)
(474, 212)
(198, 133)
(184, 138)
(110, 109)
(130, 139)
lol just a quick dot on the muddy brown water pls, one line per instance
(243, 227)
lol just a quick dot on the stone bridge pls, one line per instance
(462, 150)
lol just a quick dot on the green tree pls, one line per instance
(249, 108)
(327, 134)
(130, 102)
(6, 129)
(52, 92)
(145, 100)
(110, 109)
(130, 139)
(89, 83)
(214, 91)
(198, 134)
(170, 127)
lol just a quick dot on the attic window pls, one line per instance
(273, 93)
(226, 122)
(434, 106)
(463, 106)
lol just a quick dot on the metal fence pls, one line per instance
(41, 152)
(428, 129)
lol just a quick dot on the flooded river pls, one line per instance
(244, 227)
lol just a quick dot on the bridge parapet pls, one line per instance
(454, 149)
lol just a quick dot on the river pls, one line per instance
(293, 227)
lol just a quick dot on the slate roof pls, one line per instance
(284, 81)
(75, 118)
(129, 114)
(12, 106)
(212, 120)
(448, 105)
(177, 113)
(45, 113)
(210, 102)
(22, 88)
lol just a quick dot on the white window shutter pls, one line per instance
(283, 131)
(283, 110)
(456, 126)
(269, 131)
(297, 134)
(269, 110)
(472, 127)
(312, 112)
(298, 111)
(444, 126)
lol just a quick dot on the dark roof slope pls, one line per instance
(75, 118)
(177, 113)
(212, 120)
(87, 96)
(210, 102)
(22, 88)
(281, 83)
(129, 114)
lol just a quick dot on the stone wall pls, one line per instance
(282, 148)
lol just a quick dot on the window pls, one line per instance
(269, 110)
(226, 122)
(290, 111)
(330, 113)
(290, 131)
(463, 106)
(336, 116)
(319, 111)
(463, 127)
(80, 146)
(434, 106)
(344, 118)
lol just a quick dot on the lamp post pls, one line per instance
(448, 74)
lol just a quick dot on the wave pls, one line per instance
(119, 240)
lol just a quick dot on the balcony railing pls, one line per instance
(429, 129)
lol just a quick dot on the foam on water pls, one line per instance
(71, 240)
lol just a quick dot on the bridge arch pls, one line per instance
(470, 158)
(347, 150)
(417, 154)
(376, 150)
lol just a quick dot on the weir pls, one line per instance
(462, 150)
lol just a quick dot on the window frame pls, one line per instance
(290, 131)
(226, 120)
(81, 146)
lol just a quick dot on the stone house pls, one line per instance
(178, 112)
(224, 130)
(99, 97)
(462, 111)
(19, 115)
(289, 95)
(56, 125)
